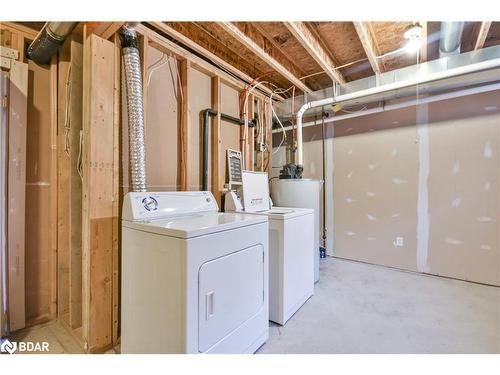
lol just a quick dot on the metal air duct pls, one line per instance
(450, 39)
(135, 109)
(49, 40)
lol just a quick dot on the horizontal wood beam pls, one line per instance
(212, 57)
(368, 43)
(424, 42)
(163, 44)
(313, 46)
(244, 39)
(103, 29)
(483, 33)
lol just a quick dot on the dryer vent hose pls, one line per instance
(132, 75)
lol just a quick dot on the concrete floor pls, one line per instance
(362, 308)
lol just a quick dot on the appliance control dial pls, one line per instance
(150, 204)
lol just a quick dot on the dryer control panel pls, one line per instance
(154, 205)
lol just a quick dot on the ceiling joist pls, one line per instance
(211, 56)
(232, 29)
(366, 38)
(483, 33)
(313, 46)
(424, 42)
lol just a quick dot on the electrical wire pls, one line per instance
(245, 116)
(157, 65)
(67, 114)
(279, 91)
(79, 161)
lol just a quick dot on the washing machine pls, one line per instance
(194, 280)
(291, 245)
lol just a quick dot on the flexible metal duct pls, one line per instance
(450, 39)
(49, 40)
(135, 109)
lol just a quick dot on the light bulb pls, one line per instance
(413, 45)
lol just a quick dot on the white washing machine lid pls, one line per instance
(194, 225)
(282, 213)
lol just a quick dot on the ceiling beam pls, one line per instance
(368, 43)
(103, 29)
(424, 42)
(313, 46)
(483, 33)
(233, 30)
(201, 50)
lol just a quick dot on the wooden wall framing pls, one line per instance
(99, 223)
(82, 284)
(41, 179)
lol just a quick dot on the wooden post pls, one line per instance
(99, 187)
(184, 125)
(268, 128)
(63, 183)
(53, 187)
(75, 254)
(216, 141)
(249, 157)
(116, 190)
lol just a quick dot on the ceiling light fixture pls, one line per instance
(413, 35)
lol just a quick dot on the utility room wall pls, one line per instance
(428, 174)
(163, 95)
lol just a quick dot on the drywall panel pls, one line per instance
(230, 133)
(427, 174)
(464, 190)
(375, 197)
(18, 97)
(200, 88)
(38, 189)
(161, 124)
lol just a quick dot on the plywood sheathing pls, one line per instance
(209, 36)
(493, 37)
(283, 40)
(342, 40)
(469, 36)
(389, 37)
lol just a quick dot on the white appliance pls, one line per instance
(194, 280)
(305, 193)
(291, 245)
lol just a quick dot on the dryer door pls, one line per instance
(231, 291)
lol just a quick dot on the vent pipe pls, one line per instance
(451, 38)
(135, 110)
(49, 40)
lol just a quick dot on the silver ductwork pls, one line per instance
(135, 109)
(450, 38)
(49, 40)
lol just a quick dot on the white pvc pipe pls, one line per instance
(467, 69)
(405, 104)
